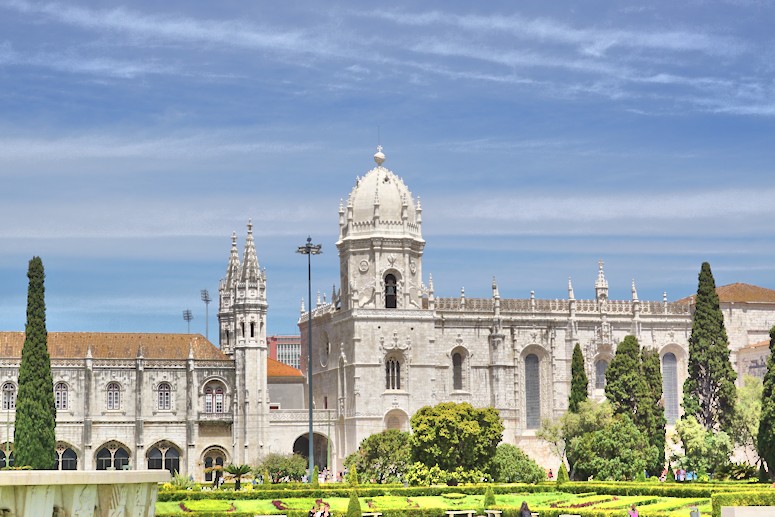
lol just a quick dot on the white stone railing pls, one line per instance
(79, 493)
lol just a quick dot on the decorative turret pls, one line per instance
(380, 243)
(431, 293)
(250, 270)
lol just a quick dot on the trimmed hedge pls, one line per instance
(748, 498)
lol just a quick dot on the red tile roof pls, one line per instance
(760, 344)
(275, 368)
(739, 292)
(114, 345)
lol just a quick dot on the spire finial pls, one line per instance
(379, 156)
(571, 296)
(634, 291)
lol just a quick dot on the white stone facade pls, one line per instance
(386, 346)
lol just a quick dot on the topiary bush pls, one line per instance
(354, 506)
(562, 474)
(489, 497)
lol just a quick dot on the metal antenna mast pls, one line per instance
(188, 317)
(206, 299)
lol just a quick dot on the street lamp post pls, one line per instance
(309, 249)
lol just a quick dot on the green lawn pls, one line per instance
(648, 505)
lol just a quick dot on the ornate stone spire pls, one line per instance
(570, 289)
(601, 284)
(302, 310)
(250, 270)
(232, 268)
(634, 292)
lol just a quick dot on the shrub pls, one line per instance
(751, 498)
(562, 474)
(512, 465)
(354, 506)
(352, 476)
(315, 477)
(489, 497)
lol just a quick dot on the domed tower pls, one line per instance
(380, 243)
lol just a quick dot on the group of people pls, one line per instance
(320, 511)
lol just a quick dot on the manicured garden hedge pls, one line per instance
(748, 498)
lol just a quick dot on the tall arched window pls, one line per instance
(60, 396)
(113, 396)
(600, 367)
(670, 386)
(392, 374)
(164, 457)
(390, 292)
(457, 371)
(532, 392)
(9, 396)
(164, 393)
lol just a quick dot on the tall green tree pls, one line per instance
(579, 382)
(650, 415)
(34, 432)
(709, 389)
(512, 465)
(453, 435)
(749, 411)
(765, 440)
(384, 457)
(623, 378)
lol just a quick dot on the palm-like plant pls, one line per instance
(237, 471)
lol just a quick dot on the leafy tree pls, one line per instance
(551, 431)
(579, 383)
(512, 465)
(34, 432)
(765, 440)
(704, 451)
(623, 378)
(650, 416)
(453, 435)
(384, 457)
(592, 417)
(749, 410)
(281, 466)
(709, 389)
(618, 451)
(238, 472)
(354, 506)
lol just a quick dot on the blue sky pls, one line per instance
(541, 136)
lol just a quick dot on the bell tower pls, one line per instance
(380, 243)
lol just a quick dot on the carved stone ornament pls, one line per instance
(363, 266)
(395, 343)
(412, 266)
(391, 260)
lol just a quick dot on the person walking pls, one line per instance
(524, 510)
(633, 511)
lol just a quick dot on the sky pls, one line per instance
(542, 137)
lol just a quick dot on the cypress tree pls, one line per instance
(579, 382)
(650, 417)
(354, 505)
(34, 438)
(709, 389)
(623, 378)
(766, 439)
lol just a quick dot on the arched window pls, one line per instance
(457, 371)
(214, 400)
(9, 396)
(214, 461)
(600, 367)
(67, 459)
(60, 396)
(532, 392)
(164, 394)
(112, 457)
(390, 292)
(392, 374)
(164, 457)
(3, 457)
(670, 386)
(113, 396)
(252, 329)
